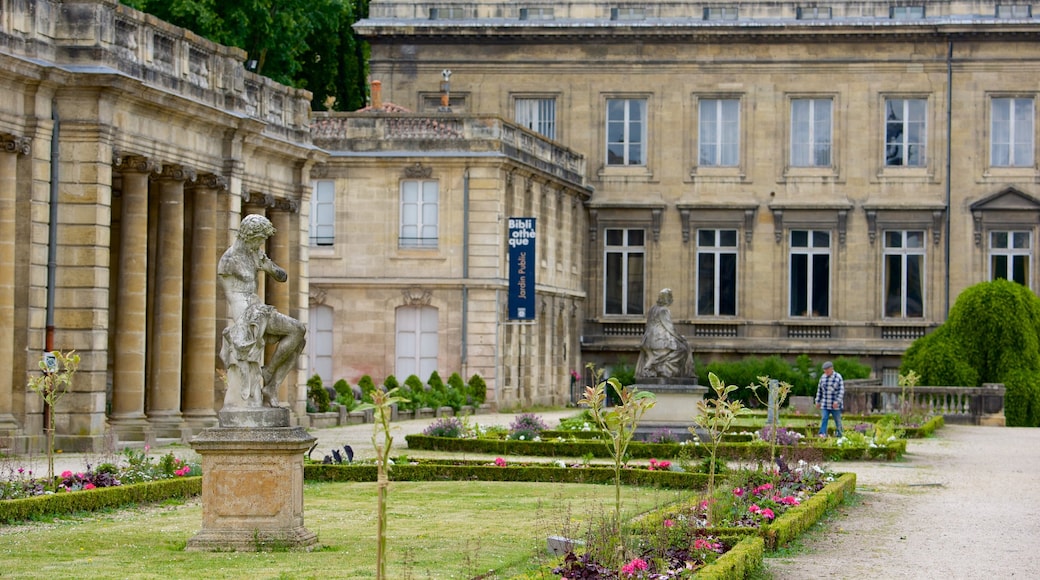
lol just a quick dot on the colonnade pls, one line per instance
(11, 148)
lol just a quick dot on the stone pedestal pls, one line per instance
(252, 483)
(676, 401)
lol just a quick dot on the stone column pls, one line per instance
(10, 148)
(201, 325)
(279, 247)
(130, 326)
(164, 384)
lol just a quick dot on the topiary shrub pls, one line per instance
(317, 395)
(343, 389)
(416, 391)
(993, 332)
(477, 389)
(367, 386)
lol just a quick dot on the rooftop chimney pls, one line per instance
(377, 95)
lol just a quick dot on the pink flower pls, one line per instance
(768, 514)
(668, 523)
(634, 565)
(739, 492)
(763, 487)
(500, 462)
(789, 500)
(88, 486)
(753, 508)
(664, 464)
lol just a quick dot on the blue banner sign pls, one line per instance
(521, 268)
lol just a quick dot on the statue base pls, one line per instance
(252, 488)
(676, 401)
(254, 417)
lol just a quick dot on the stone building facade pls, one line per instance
(807, 177)
(129, 150)
(409, 252)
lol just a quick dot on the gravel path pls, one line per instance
(961, 505)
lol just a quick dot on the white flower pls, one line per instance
(560, 463)
(522, 437)
(817, 469)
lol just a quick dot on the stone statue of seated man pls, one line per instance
(663, 352)
(254, 324)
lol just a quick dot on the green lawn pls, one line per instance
(435, 530)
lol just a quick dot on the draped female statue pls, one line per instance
(663, 352)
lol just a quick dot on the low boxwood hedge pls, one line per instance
(640, 450)
(15, 510)
(519, 472)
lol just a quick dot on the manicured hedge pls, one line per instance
(533, 473)
(639, 450)
(736, 564)
(14, 510)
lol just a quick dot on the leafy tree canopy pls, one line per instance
(991, 336)
(305, 44)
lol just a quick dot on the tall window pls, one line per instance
(1011, 256)
(904, 268)
(416, 343)
(419, 201)
(719, 136)
(811, 133)
(538, 115)
(626, 131)
(319, 341)
(905, 132)
(624, 260)
(810, 272)
(1011, 135)
(716, 272)
(323, 214)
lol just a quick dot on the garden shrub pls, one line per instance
(445, 427)
(993, 329)
(455, 383)
(803, 375)
(343, 389)
(317, 395)
(527, 427)
(367, 386)
(478, 389)
(16, 510)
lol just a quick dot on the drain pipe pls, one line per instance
(52, 246)
(465, 267)
(949, 149)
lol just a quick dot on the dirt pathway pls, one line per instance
(965, 504)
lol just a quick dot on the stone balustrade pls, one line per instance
(963, 405)
(368, 132)
(100, 36)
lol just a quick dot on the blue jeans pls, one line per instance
(827, 414)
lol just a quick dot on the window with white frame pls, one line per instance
(319, 341)
(626, 131)
(904, 274)
(811, 132)
(624, 271)
(905, 132)
(907, 12)
(323, 213)
(718, 139)
(1014, 11)
(538, 115)
(419, 207)
(716, 272)
(1011, 132)
(416, 341)
(1011, 256)
(810, 273)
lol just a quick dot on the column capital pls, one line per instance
(264, 200)
(176, 172)
(135, 163)
(286, 205)
(14, 144)
(212, 181)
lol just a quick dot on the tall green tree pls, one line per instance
(307, 44)
(991, 336)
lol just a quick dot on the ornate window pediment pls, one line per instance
(1008, 207)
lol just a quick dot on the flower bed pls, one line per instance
(14, 510)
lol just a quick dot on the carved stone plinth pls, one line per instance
(252, 488)
(676, 401)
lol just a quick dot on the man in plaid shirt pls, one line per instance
(830, 398)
